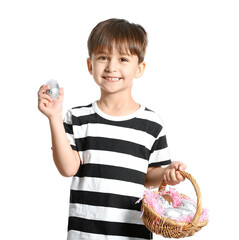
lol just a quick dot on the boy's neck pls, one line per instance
(117, 106)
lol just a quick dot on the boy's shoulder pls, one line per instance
(152, 115)
(79, 110)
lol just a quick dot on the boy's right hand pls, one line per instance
(46, 105)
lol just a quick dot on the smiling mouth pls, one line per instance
(112, 79)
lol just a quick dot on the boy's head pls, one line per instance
(119, 33)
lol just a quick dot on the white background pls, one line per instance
(190, 80)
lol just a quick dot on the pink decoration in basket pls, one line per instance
(152, 199)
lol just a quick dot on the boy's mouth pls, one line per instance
(112, 79)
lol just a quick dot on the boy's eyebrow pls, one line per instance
(108, 52)
(100, 52)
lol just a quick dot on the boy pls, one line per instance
(114, 146)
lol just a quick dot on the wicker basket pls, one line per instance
(170, 228)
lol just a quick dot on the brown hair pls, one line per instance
(126, 37)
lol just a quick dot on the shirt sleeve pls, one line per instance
(159, 154)
(68, 125)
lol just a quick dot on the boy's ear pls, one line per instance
(140, 70)
(89, 65)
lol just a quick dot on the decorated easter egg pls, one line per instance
(189, 205)
(185, 212)
(173, 213)
(54, 90)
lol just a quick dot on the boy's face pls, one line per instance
(114, 71)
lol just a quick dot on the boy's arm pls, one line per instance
(156, 175)
(66, 160)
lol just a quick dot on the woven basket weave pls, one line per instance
(170, 228)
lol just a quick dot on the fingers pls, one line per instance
(42, 93)
(43, 89)
(179, 177)
(178, 165)
(172, 176)
(42, 104)
(43, 98)
(182, 166)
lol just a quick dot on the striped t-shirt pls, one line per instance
(116, 152)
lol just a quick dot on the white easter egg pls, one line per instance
(54, 90)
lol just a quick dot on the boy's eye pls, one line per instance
(123, 59)
(104, 58)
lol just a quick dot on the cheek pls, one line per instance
(98, 69)
(94, 75)
(94, 71)
(131, 72)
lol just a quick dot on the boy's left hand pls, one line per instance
(171, 175)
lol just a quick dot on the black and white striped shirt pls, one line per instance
(115, 154)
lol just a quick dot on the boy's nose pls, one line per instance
(111, 66)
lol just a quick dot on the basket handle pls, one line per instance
(198, 193)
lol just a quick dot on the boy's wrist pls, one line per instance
(55, 119)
